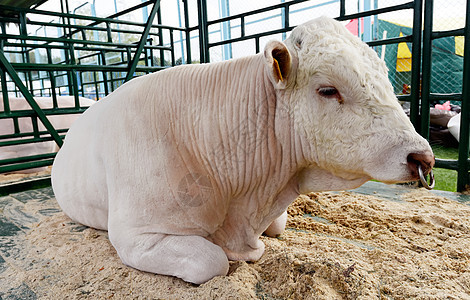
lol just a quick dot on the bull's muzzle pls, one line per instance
(420, 165)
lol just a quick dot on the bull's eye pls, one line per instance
(328, 91)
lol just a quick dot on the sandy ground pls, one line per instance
(337, 246)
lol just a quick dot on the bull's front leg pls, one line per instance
(191, 258)
(278, 226)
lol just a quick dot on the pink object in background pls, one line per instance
(445, 106)
(353, 26)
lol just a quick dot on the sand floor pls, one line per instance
(346, 245)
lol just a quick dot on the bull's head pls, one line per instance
(350, 125)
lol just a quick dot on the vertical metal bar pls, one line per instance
(143, 40)
(24, 50)
(109, 32)
(416, 64)
(427, 68)
(105, 77)
(160, 38)
(111, 79)
(242, 26)
(180, 24)
(9, 69)
(3, 78)
(16, 125)
(73, 75)
(172, 48)
(188, 34)
(52, 79)
(463, 179)
(342, 8)
(203, 31)
(34, 122)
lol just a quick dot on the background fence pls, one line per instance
(89, 48)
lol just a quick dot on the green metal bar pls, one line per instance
(372, 12)
(63, 15)
(30, 184)
(105, 76)
(450, 164)
(27, 134)
(16, 125)
(203, 31)
(73, 76)
(342, 8)
(426, 69)
(95, 28)
(416, 65)
(442, 34)
(82, 68)
(24, 141)
(52, 79)
(3, 78)
(109, 32)
(462, 179)
(28, 165)
(74, 41)
(23, 159)
(188, 33)
(143, 40)
(172, 50)
(160, 38)
(34, 122)
(9, 69)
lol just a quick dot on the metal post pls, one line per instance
(143, 40)
(427, 68)
(181, 33)
(188, 34)
(161, 42)
(203, 31)
(463, 180)
(342, 8)
(416, 64)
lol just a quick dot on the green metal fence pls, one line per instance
(87, 56)
(91, 56)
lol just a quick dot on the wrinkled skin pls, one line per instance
(187, 167)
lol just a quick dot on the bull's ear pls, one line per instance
(278, 62)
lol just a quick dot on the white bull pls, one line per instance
(187, 167)
(25, 125)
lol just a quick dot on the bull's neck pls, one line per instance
(253, 148)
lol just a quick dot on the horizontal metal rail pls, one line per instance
(26, 165)
(75, 41)
(54, 67)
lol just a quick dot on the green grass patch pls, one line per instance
(446, 180)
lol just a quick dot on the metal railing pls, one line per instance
(83, 59)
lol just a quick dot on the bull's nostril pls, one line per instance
(423, 159)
